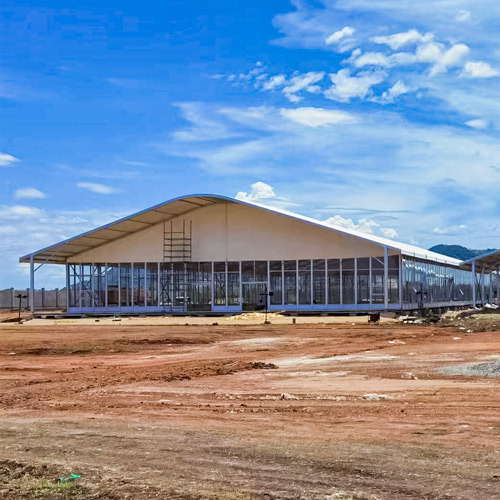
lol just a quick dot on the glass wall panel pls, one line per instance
(333, 281)
(125, 285)
(112, 272)
(363, 280)
(319, 281)
(348, 281)
(99, 285)
(253, 296)
(427, 282)
(304, 281)
(138, 283)
(166, 285)
(233, 283)
(220, 283)
(86, 296)
(179, 284)
(290, 267)
(393, 279)
(261, 270)
(151, 284)
(275, 283)
(247, 271)
(199, 286)
(377, 280)
(74, 285)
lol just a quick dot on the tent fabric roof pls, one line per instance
(60, 252)
(490, 261)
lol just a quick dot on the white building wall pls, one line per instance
(237, 232)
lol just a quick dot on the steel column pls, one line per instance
(32, 284)
(386, 277)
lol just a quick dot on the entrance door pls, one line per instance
(254, 296)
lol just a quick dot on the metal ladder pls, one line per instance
(177, 249)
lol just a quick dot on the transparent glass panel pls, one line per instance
(125, 285)
(290, 288)
(261, 270)
(139, 282)
(151, 284)
(276, 288)
(319, 283)
(247, 271)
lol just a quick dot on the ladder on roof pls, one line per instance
(177, 244)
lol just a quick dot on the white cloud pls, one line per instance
(452, 57)
(317, 117)
(477, 124)
(478, 69)
(17, 211)
(389, 232)
(346, 87)
(399, 88)
(462, 16)
(363, 226)
(7, 160)
(401, 39)
(301, 82)
(274, 82)
(260, 191)
(96, 188)
(339, 35)
(450, 230)
(372, 59)
(29, 193)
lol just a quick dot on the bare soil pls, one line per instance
(320, 410)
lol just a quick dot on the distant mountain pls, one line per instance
(458, 251)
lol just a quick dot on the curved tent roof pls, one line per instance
(60, 252)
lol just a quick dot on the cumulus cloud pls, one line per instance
(338, 35)
(363, 226)
(7, 160)
(317, 117)
(300, 82)
(398, 40)
(343, 39)
(450, 58)
(372, 59)
(260, 191)
(274, 82)
(29, 193)
(450, 230)
(478, 69)
(96, 188)
(346, 87)
(399, 88)
(477, 123)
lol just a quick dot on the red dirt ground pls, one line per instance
(240, 412)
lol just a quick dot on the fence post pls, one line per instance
(12, 297)
(57, 298)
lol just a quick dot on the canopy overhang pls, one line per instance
(486, 262)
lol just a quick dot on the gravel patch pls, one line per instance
(491, 369)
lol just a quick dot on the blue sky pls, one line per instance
(381, 115)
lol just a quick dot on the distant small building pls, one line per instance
(209, 253)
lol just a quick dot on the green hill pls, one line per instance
(458, 251)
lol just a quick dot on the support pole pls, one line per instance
(498, 287)
(386, 277)
(474, 283)
(32, 284)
